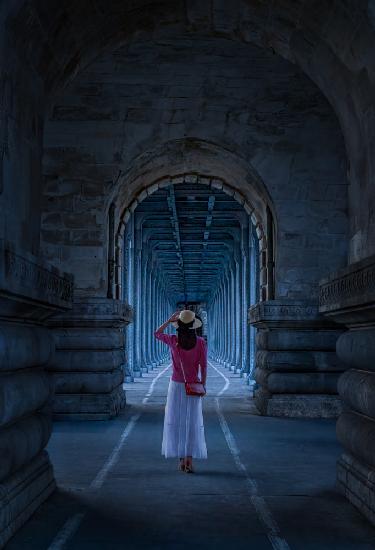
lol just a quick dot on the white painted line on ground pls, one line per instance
(259, 503)
(71, 526)
(99, 479)
(151, 389)
(66, 532)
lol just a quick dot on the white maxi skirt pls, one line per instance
(183, 433)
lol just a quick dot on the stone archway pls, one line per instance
(261, 226)
(176, 243)
(333, 44)
(206, 164)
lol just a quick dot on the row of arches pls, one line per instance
(191, 245)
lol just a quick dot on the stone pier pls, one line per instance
(348, 297)
(30, 293)
(297, 369)
(88, 370)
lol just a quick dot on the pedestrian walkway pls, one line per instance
(268, 483)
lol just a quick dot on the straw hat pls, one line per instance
(187, 316)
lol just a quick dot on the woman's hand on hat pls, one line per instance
(174, 317)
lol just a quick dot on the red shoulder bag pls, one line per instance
(191, 388)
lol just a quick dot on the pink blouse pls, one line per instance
(191, 359)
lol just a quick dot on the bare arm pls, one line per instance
(171, 319)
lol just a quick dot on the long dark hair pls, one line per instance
(186, 335)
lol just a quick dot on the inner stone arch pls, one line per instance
(193, 242)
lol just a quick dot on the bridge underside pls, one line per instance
(216, 155)
(190, 245)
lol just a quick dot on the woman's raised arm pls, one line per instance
(171, 319)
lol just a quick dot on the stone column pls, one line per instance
(348, 297)
(30, 292)
(87, 369)
(297, 368)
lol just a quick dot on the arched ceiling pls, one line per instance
(331, 41)
(191, 234)
(63, 36)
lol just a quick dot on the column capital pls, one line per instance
(287, 313)
(348, 295)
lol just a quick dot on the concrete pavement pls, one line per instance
(268, 482)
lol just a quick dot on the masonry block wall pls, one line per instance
(267, 114)
(245, 100)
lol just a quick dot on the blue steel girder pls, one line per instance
(189, 241)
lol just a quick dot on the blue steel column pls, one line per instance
(142, 298)
(253, 283)
(155, 320)
(232, 314)
(231, 319)
(226, 313)
(131, 295)
(152, 313)
(150, 305)
(218, 325)
(216, 320)
(238, 292)
(137, 301)
(126, 286)
(245, 367)
(223, 321)
(216, 317)
(159, 319)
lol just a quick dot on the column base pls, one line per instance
(89, 406)
(357, 482)
(297, 405)
(22, 493)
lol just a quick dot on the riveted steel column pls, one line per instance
(223, 321)
(245, 258)
(126, 294)
(131, 295)
(228, 317)
(238, 307)
(142, 299)
(233, 315)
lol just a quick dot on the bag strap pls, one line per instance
(182, 367)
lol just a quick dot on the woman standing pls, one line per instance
(183, 435)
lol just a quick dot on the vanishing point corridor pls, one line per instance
(214, 156)
(258, 489)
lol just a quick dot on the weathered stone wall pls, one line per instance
(244, 99)
(29, 293)
(87, 370)
(22, 100)
(297, 369)
(333, 43)
(348, 297)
